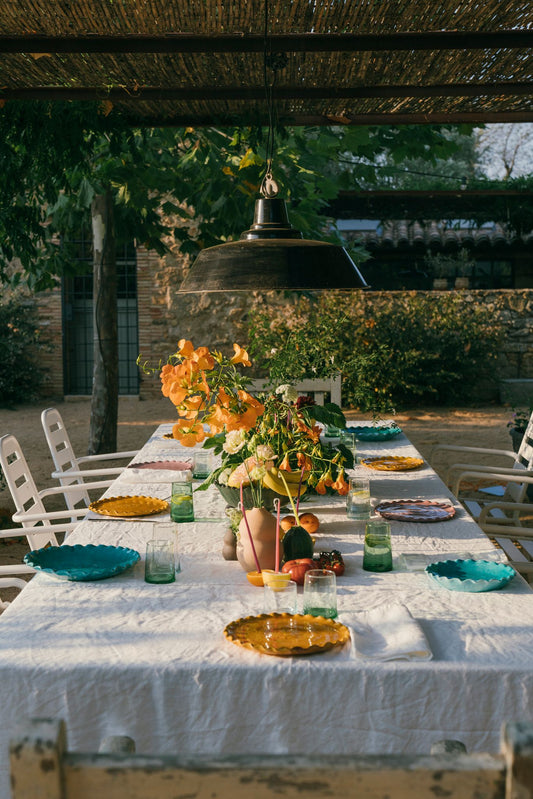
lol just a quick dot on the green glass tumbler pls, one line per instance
(159, 566)
(377, 555)
(181, 502)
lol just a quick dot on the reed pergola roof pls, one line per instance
(201, 62)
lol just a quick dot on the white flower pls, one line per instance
(288, 392)
(265, 452)
(224, 476)
(235, 441)
(257, 473)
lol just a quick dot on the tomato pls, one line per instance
(297, 568)
(332, 561)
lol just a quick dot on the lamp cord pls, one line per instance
(269, 187)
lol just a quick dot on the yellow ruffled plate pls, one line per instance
(285, 634)
(392, 463)
(129, 506)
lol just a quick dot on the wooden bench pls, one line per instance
(41, 768)
(312, 387)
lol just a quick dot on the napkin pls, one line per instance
(154, 472)
(389, 633)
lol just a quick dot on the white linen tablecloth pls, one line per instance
(120, 656)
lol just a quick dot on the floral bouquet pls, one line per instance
(270, 441)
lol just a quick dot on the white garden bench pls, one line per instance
(42, 768)
(314, 387)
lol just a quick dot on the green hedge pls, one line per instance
(20, 373)
(393, 350)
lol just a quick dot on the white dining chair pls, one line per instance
(510, 525)
(67, 465)
(38, 525)
(512, 480)
(8, 580)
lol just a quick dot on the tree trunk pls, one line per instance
(104, 404)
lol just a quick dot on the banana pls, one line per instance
(275, 483)
(294, 477)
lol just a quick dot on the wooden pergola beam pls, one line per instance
(151, 93)
(254, 43)
(317, 120)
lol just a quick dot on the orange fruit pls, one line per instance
(309, 522)
(287, 522)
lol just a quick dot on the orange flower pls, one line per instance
(285, 465)
(241, 356)
(340, 485)
(185, 348)
(313, 434)
(250, 400)
(188, 434)
(304, 460)
(203, 358)
(176, 393)
(218, 418)
(320, 487)
(191, 406)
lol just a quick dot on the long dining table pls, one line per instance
(121, 656)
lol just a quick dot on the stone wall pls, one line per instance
(219, 319)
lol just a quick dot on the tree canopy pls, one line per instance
(55, 157)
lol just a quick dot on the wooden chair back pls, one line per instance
(42, 768)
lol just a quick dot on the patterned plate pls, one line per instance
(392, 463)
(81, 563)
(371, 433)
(416, 510)
(129, 506)
(170, 465)
(284, 634)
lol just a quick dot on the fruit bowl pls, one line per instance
(470, 575)
(233, 497)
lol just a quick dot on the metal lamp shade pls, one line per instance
(272, 255)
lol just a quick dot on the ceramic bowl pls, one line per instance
(82, 562)
(470, 575)
(369, 433)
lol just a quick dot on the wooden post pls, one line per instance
(517, 747)
(36, 760)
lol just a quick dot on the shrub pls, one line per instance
(20, 374)
(393, 349)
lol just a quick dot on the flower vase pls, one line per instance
(262, 526)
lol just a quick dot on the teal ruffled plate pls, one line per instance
(471, 575)
(369, 433)
(82, 563)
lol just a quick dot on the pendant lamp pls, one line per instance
(272, 254)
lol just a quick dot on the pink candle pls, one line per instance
(278, 507)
